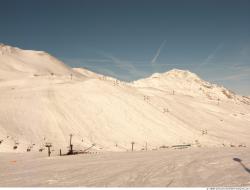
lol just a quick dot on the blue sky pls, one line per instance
(131, 39)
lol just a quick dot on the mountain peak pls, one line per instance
(7, 49)
(16, 61)
(177, 74)
(179, 71)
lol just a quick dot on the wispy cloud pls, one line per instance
(125, 66)
(96, 60)
(245, 51)
(211, 56)
(122, 64)
(158, 52)
(81, 62)
(238, 73)
(233, 77)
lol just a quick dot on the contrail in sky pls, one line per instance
(212, 55)
(153, 61)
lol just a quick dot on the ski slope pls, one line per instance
(42, 100)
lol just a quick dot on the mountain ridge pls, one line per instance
(44, 101)
(172, 74)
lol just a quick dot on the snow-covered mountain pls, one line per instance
(43, 100)
(187, 83)
(18, 62)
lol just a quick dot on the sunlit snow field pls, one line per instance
(164, 168)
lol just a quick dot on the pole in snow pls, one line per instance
(70, 145)
(48, 145)
(132, 143)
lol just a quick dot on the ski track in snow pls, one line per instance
(194, 167)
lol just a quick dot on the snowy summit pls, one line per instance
(42, 100)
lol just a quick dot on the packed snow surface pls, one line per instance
(44, 101)
(194, 167)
